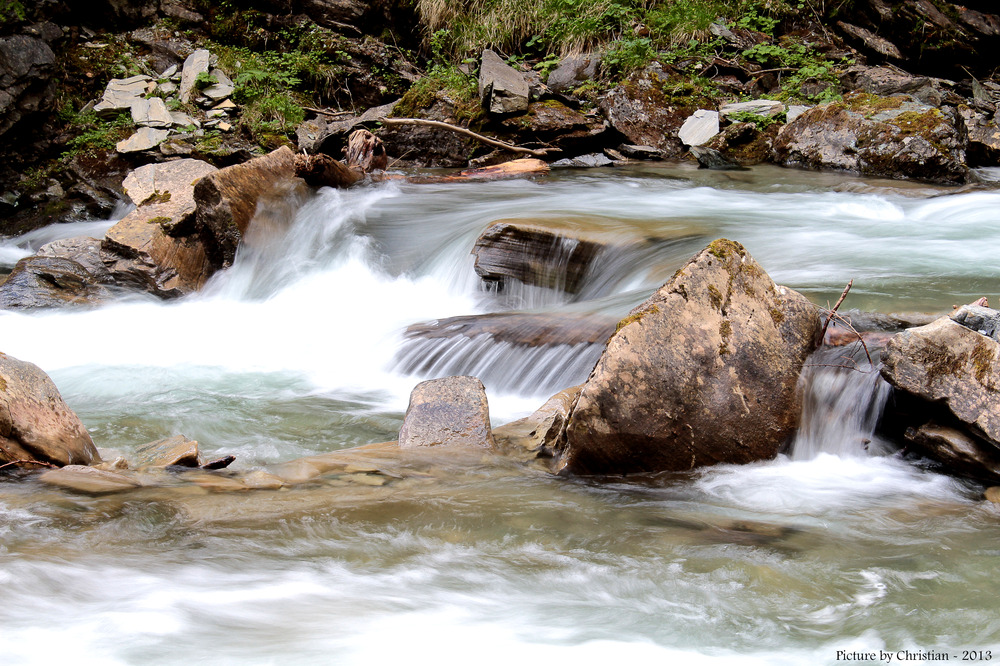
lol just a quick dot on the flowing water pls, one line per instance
(300, 349)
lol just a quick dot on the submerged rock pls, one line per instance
(452, 411)
(46, 282)
(35, 423)
(704, 372)
(89, 480)
(538, 433)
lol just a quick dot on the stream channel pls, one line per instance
(299, 349)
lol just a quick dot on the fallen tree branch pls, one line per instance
(27, 462)
(461, 130)
(325, 112)
(833, 312)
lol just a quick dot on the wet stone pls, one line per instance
(176, 450)
(88, 480)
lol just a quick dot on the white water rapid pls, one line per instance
(294, 351)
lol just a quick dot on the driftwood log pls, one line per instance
(322, 170)
(365, 151)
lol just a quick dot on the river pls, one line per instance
(299, 349)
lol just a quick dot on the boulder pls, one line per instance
(893, 137)
(704, 372)
(593, 160)
(946, 373)
(700, 126)
(35, 423)
(26, 86)
(144, 138)
(157, 247)
(648, 112)
(221, 89)
(46, 282)
(758, 107)
(572, 71)
(452, 411)
(227, 199)
(553, 124)
(502, 89)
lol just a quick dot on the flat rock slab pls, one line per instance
(452, 411)
(176, 450)
(151, 113)
(221, 89)
(84, 250)
(521, 328)
(35, 423)
(758, 107)
(121, 94)
(89, 480)
(700, 126)
(704, 372)
(144, 138)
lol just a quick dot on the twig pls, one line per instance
(461, 130)
(332, 114)
(861, 338)
(27, 462)
(829, 317)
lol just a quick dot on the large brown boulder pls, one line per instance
(703, 372)
(157, 247)
(35, 423)
(947, 401)
(227, 199)
(452, 411)
(893, 137)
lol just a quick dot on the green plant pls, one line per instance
(628, 55)
(12, 11)
(204, 80)
(97, 134)
(761, 121)
(547, 64)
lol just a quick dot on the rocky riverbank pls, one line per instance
(86, 98)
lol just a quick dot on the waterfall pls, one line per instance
(843, 399)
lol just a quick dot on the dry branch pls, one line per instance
(840, 300)
(27, 462)
(461, 130)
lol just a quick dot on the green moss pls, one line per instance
(868, 104)
(982, 358)
(160, 219)
(715, 296)
(3, 384)
(777, 316)
(156, 197)
(635, 316)
(725, 249)
(725, 329)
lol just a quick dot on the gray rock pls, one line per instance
(699, 127)
(35, 423)
(84, 250)
(168, 88)
(168, 72)
(572, 71)
(871, 41)
(502, 89)
(983, 134)
(181, 119)
(143, 139)
(121, 94)
(220, 90)
(704, 372)
(585, 161)
(710, 158)
(644, 115)
(26, 86)
(634, 152)
(956, 451)
(151, 113)
(759, 107)
(46, 282)
(195, 64)
(452, 411)
(890, 137)
(980, 319)
(794, 111)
